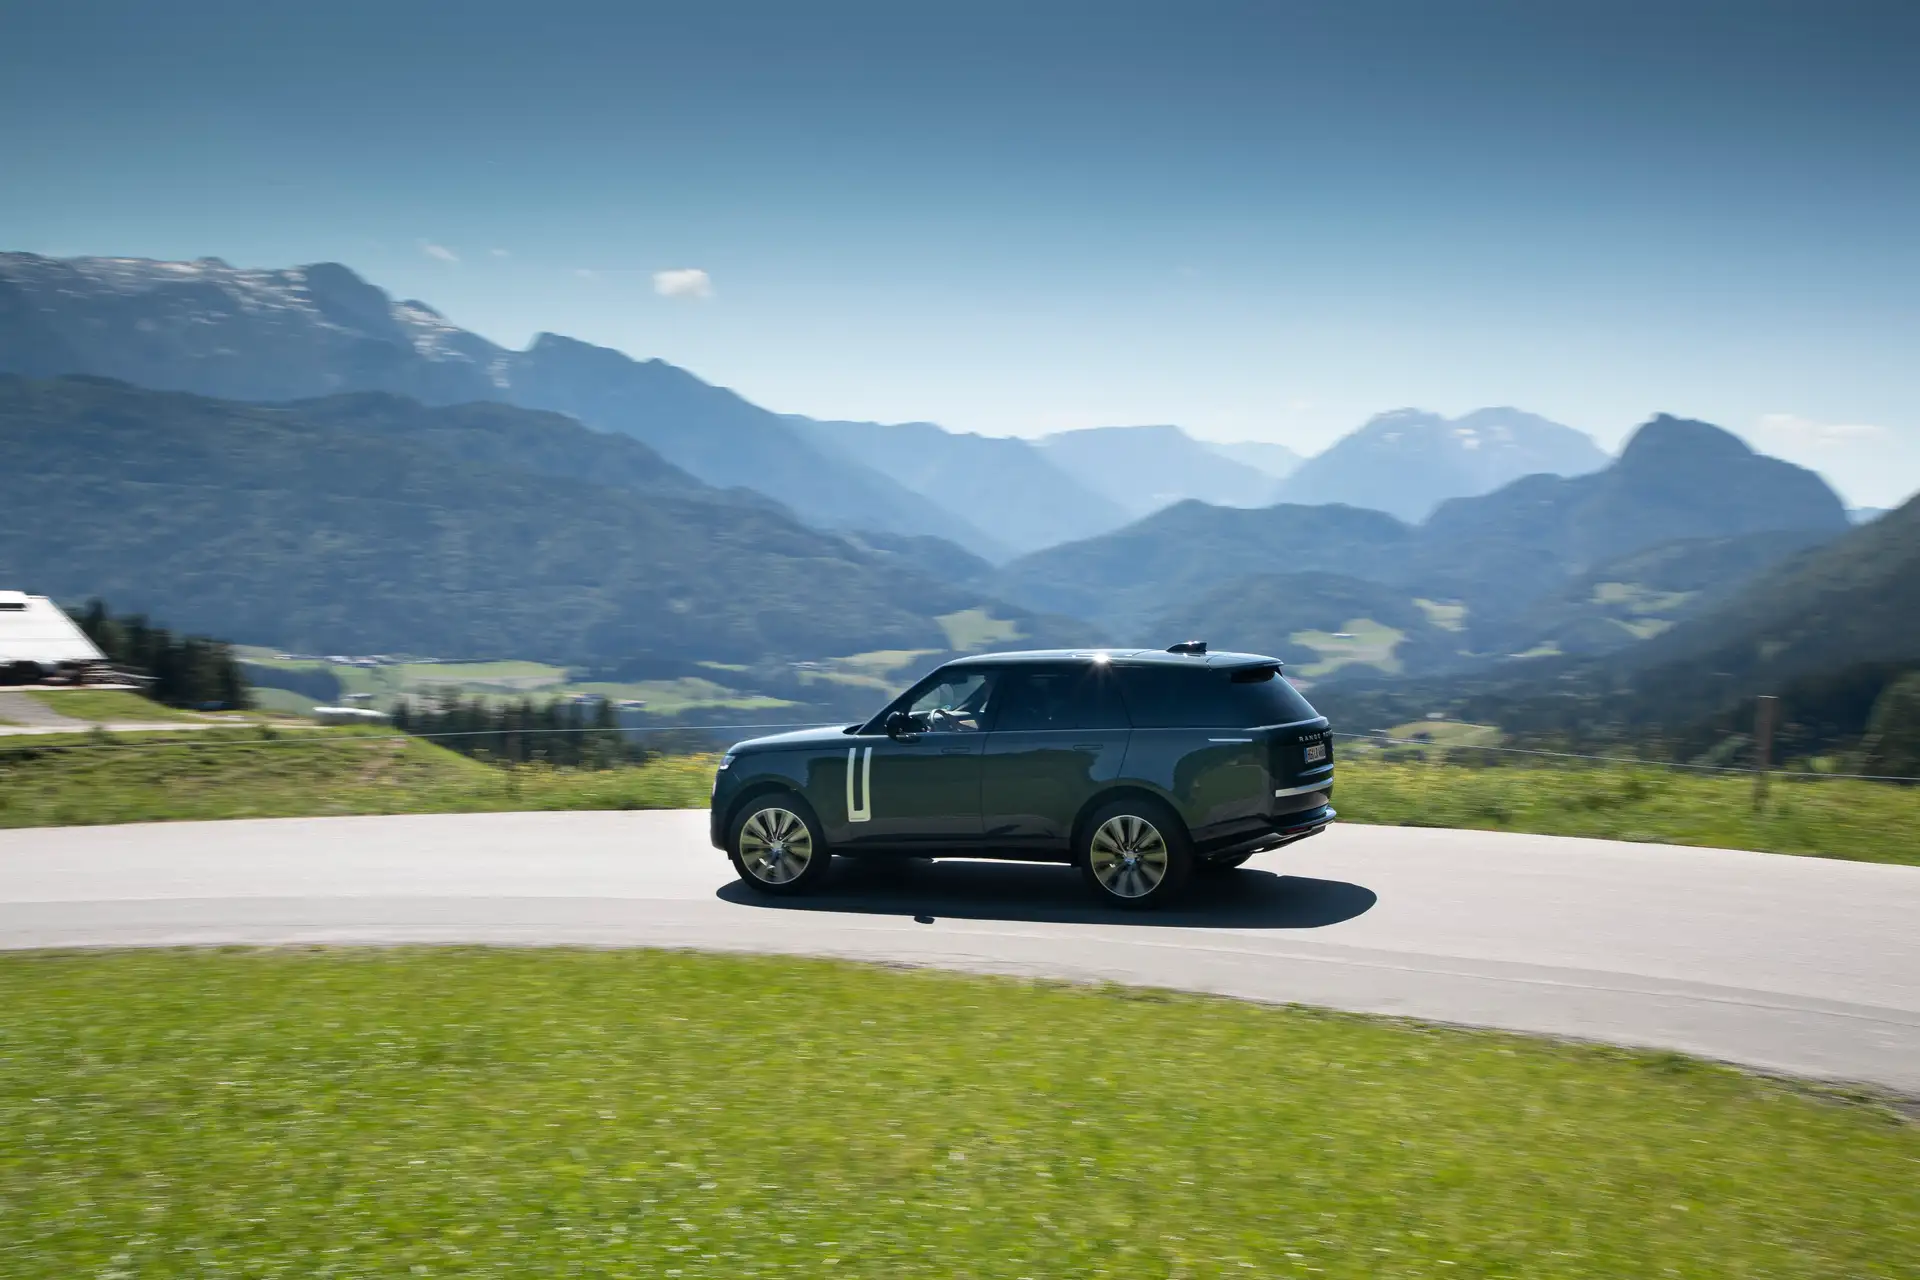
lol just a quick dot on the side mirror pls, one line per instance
(899, 725)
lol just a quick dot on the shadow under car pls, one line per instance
(1050, 893)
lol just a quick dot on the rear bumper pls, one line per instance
(1270, 833)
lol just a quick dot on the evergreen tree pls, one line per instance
(1891, 747)
(190, 671)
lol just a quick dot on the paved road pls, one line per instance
(1791, 964)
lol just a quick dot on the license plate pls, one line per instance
(1316, 753)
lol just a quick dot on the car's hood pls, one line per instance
(826, 736)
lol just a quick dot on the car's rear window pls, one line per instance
(1168, 697)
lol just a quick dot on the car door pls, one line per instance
(922, 788)
(1059, 733)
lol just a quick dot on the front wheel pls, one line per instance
(1136, 854)
(775, 845)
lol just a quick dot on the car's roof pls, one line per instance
(1122, 657)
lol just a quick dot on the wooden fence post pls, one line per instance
(1763, 713)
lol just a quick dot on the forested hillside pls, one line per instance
(1829, 630)
(302, 332)
(373, 524)
(1123, 580)
(1546, 564)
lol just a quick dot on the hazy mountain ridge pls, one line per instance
(1142, 469)
(1409, 461)
(1675, 479)
(301, 332)
(1123, 579)
(1275, 460)
(1503, 558)
(1001, 483)
(372, 523)
(297, 333)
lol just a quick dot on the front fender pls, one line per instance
(756, 773)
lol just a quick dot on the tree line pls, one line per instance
(186, 671)
(560, 733)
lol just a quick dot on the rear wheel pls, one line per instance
(1136, 854)
(776, 847)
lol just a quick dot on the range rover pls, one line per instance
(1140, 767)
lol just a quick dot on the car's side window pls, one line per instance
(1059, 698)
(957, 703)
(1095, 699)
(1164, 697)
(1033, 698)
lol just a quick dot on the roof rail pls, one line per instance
(1188, 646)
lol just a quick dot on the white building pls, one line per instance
(348, 715)
(33, 630)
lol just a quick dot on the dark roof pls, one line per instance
(1123, 657)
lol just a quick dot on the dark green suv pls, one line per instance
(1139, 766)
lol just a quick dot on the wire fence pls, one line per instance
(308, 735)
(303, 735)
(1428, 744)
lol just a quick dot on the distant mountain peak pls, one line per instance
(1665, 440)
(1145, 468)
(1408, 461)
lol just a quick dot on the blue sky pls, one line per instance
(1259, 221)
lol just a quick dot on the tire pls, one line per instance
(776, 846)
(1135, 853)
(1220, 866)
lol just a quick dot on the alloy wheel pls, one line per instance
(1128, 856)
(775, 846)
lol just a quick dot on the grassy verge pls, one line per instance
(108, 706)
(1834, 818)
(636, 1113)
(264, 773)
(236, 773)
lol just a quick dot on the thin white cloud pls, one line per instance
(1792, 429)
(439, 251)
(686, 282)
(498, 253)
(586, 273)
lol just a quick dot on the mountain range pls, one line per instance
(302, 332)
(1142, 469)
(1828, 630)
(1409, 461)
(1542, 561)
(292, 457)
(371, 523)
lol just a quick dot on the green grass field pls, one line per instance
(107, 706)
(233, 773)
(1454, 733)
(283, 702)
(1362, 642)
(1836, 818)
(688, 693)
(254, 773)
(512, 680)
(623, 1113)
(972, 629)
